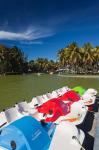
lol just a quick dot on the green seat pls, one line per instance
(80, 90)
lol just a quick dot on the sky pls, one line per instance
(42, 27)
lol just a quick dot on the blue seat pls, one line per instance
(25, 134)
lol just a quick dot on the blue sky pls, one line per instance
(41, 27)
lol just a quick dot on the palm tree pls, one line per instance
(96, 56)
(41, 64)
(62, 57)
(73, 55)
(88, 57)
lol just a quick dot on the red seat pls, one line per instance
(70, 96)
(54, 107)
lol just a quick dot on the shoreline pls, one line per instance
(80, 76)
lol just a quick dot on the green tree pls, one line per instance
(88, 57)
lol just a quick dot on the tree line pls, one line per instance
(14, 61)
(72, 58)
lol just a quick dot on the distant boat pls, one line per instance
(38, 74)
(51, 73)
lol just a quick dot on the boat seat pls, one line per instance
(3, 119)
(25, 109)
(59, 92)
(54, 94)
(12, 114)
(45, 97)
(40, 100)
(64, 90)
(23, 106)
(49, 95)
(34, 102)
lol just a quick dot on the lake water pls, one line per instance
(19, 87)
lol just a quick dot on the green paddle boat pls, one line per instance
(79, 89)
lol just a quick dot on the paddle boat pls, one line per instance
(27, 133)
(88, 97)
(79, 89)
(91, 91)
(56, 111)
(71, 96)
(54, 108)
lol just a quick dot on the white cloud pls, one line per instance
(12, 36)
(28, 35)
(31, 42)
